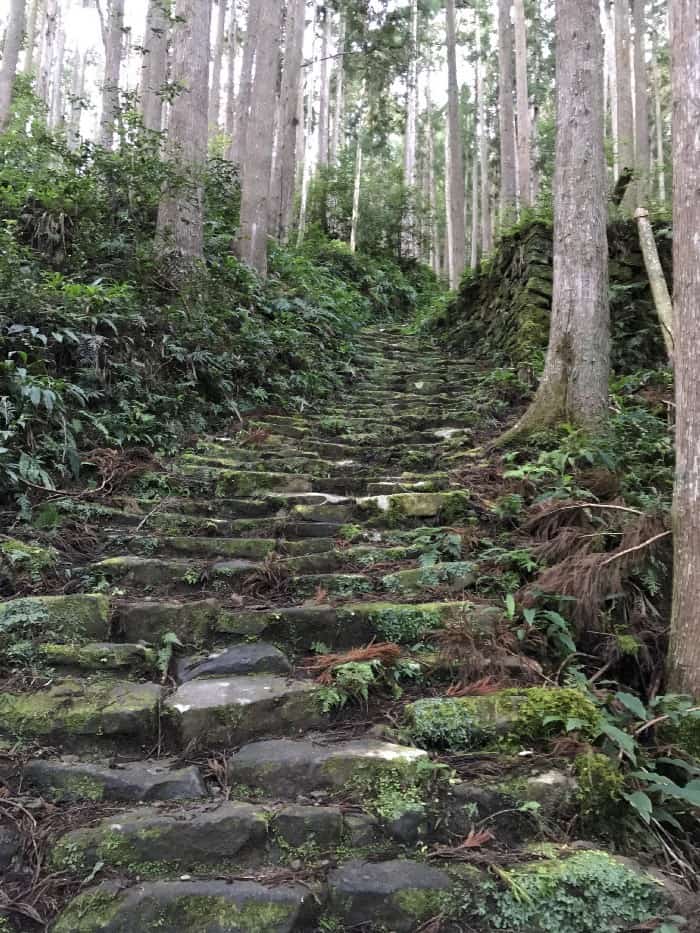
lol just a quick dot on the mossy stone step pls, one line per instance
(234, 483)
(213, 548)
(209, 712)
(448, 507)
(149, 620)
(189, 906)
(280, 767)
(345, 626)
(159, 843)
(153, 843)
(101, 656)
(454, 576)
(340, 585)
(248, 658)
(399, 895)
(83, 714)
(72, 780)
(74, 619)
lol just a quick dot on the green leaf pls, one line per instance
(623, 740)
(641, 803)
(633, 704)
(510, 605)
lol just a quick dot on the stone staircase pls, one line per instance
(228, 797)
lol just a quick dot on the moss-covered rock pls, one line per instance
(452, 575)
(60, 619)
(84, 714)
(28, 558)
(580, 892)
(533, 714)
(151, 843)
(101, 656)
(174, 906)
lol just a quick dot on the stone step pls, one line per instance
(84, 714)
(247, 483)
(248, 658)
(214, 712)
(286, 767)
(228, 548)
(72, 780)
(189, 906)
(345, 626)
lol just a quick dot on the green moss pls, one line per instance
(421, 904)
(199, 913)
(30, 558)
(599, 792)
(88, 912)
(588, 892)
(545, 712)
(684, 733)
(459, 723)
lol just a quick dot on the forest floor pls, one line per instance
(291, 680)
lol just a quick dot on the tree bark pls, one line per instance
(574, 385)
(154, 67)
(409, 239)
(324, 90)
(486, 229)
(505, 112)
(432, 189)
(623, 72)
(112, 21)
(231, 43)
(284, 177)
(48, 38)
(476, 226)
(307, 125)
(657, 279)
(684, 647)
(251, 244)
(337, 134)
(10, 57)
(77, 96)
(34, 17)
(215, 87)
(458, 259)
(611, 72)
(56, 108)
(237, 152)
(181, 213)
(641, 105)
(357, 189)
(523, 99)
(659, 130)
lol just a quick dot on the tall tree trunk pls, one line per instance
(523, 99)
(48, 39)
(307, 124)
(77, 96)
(659, 130)
(231, 44)
(338, 116)
(476, 225)
(215, 88)
(449, 244)
(251, 244)
(456, 161)
(684, 648)
(284, 177)
(505, 111)
(56, 109)
(574, 385)
(237, 150)
(181, 213)
(611, 71)
(154, 68)
(34, 17)
(409, 243)
(356, 191)
(324, 89)
(432, 188)
(641, 105)
(112, 21)
(10, 57)
(623, 71)
(486, 229)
